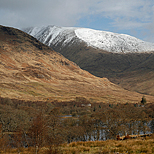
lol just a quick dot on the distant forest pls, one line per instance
(38, 124)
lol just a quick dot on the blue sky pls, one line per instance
(106, 24)
(132, 17)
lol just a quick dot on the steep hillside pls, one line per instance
(123, 59)
(31, 70)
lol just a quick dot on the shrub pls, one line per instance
(143, 101)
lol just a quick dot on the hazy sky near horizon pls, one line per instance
(132, 17)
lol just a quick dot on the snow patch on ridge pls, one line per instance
(52, 34)
(108, 41)
(113, 42)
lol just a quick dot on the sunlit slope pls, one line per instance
(31, 70)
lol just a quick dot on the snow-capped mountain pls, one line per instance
(101, 53)
(107, 41)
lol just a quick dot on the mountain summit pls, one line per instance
(107, 41)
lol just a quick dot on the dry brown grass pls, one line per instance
(33, 74)
(112, 146)
(97, 147)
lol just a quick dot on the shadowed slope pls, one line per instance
(132, 71)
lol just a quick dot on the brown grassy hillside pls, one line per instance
(31, 70)
(132, 71)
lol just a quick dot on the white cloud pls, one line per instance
(124, 14)
(42, 12)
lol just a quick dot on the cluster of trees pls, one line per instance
(37, 124)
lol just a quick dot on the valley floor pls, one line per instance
(138, 145)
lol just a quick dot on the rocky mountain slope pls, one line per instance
(31, 70)
(123, 59)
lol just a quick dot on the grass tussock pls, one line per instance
(131, 146)
(110, 146)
